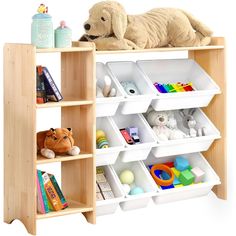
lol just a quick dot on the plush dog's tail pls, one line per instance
(198, 25)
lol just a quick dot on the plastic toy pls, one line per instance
(157, 179)
(198, 174)
(133, 132)
(186, 177)
(181, 163)
(191, 124)
(126, 177)
(126, 188)
(127, 137)
(106, 90)
(56, 141)
(174, 87)
(42, 9)
(130, 88)
(176, 172)
(101, 139)
(136, 191)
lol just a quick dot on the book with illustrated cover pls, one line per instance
(52, 91)
(40, 87)
(51, 193)
(59, 192)
(40, 203)
(43, 192)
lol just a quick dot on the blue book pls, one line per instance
(45, 200)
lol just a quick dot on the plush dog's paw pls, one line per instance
(48, 153)
(74, 151)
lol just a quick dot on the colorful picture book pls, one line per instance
(47, 89)
(49, 194)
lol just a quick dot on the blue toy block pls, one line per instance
(167, 187)
(176, 181)
(157, 172)
(164, 175)
(181, 163)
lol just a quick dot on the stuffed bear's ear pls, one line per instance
(181, 112)
(70, 130)
(119, 23)
(191, 111)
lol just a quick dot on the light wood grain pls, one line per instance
(212, 62)
(64, 104)
(20, 135)
(71, 49)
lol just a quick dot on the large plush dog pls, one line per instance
(111, 28)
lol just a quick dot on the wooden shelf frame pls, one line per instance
(77, 111)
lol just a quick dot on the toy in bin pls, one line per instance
(174, 87)
(103, 188)
(127, 178)
(101, 139)
(130, 88)
(176, 174)
(130, 134)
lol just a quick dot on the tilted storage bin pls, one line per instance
(147, 137)
(184, 71)
(128, 71)
(109, 206)
(106, 156)
(142, 179)
(107, 106)
(188, 145)
(190, 191)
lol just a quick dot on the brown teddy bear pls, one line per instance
(56, 141)
(110, 28)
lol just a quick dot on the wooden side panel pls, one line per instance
(20, 135)
(212, 61)
(78, 82)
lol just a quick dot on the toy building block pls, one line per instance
(104, 186)
(97, 188)
(176, 172)
(101, 178)
(179, 185)
(190, 168)
(99, 170)
(181, 163)
(99, 197)
(164, 175)
(186, 177)
(167, 187)
(176, 181)
(157, 172)
(108, 195)
(169, 164)
(198, 174)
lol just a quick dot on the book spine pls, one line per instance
(44, 195)
(40, 89)
(51, 193)
(51, 84)
(40, 205)
(59, 192)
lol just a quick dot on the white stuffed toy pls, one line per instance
(106, 90)
(164, 125)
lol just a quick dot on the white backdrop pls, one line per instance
(202, 216)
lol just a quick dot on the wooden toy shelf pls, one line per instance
(77, 112)
(211, 59)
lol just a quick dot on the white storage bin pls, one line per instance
(147, 137)
(107, 156)
(107, 106)
(109, 206)
(128, 71)
(142, 179)
(190, 191)
(188, 145)
(184, 71)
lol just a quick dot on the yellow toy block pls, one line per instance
(179, 185)
(176, 172)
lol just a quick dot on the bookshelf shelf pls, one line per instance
(65, 104)
(43, 160)
(78, 88)
(73, 208)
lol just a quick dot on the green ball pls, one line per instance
(126, 177)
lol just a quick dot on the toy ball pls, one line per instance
(136, 190)
(126, 177)
(126, 188)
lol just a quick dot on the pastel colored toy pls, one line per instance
(101, 139)
(181, 163)
(107, 90)
(136, 191)
(126, 177)
(186, 177)
(198, 174)
(130, 88)
(126, 188)
(133, 132)
(191, 124)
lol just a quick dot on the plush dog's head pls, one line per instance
(106, 18)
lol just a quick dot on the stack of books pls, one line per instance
(49, 194)
(47, 89)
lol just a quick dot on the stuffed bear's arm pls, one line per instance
(47, 153)
(74, 151)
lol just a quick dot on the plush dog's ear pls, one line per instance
(119, 23)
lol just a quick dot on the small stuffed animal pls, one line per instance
(191, 124)
(56, 141)
(111, 28)
(107, 90)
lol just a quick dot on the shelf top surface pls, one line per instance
(164, 49)
(72, 49)
(64, 104)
